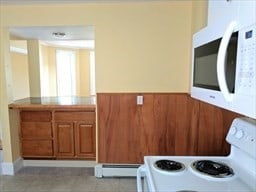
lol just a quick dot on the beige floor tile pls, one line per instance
(48, 179)
(17, 183)
(84, 184)
(107, 185)
(127, 185)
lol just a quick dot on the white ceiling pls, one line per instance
(46, 32)
(75, 36)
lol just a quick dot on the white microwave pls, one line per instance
(224, 68)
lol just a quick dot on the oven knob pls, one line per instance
(233, 130)
(239, 134)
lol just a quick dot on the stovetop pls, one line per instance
(188, 179)
(233, 173)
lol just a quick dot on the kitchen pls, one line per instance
(127, 61)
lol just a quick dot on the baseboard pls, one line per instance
(12, 168)
(58, 163)
(115, 170)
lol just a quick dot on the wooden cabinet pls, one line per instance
(55, 133)
(75, 134)
(36, 134)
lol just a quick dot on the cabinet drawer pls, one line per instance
(75, 116)
(36, 130)
(42, 148)
(36, 116)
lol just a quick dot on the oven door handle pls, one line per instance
(140, 173)
(221, 61)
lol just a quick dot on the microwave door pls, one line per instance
(221, 62)
(205, 70)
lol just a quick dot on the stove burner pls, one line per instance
(168, 165)
(213, 168)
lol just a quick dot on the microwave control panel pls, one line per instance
(246, 83)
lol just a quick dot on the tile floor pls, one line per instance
(53, 179)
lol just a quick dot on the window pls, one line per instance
(65, 61)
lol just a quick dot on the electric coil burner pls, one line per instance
(213, 168)
(169, 165)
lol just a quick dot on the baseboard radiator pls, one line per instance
(116, 170)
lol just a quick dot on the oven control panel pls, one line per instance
(242, 134)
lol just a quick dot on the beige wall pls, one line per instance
(84, 72)
(140, 47)
(199, 15)
(14, 124)
(52, 71)
(44, 60)
(6, 97)
(20, 79)
(34, 68)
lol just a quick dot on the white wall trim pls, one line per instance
(58, 163)
(12, 168)
(115, 170)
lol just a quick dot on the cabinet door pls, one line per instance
(36, 130)
(85, 140)
(37, 148)
(65, 139)
(35, 116)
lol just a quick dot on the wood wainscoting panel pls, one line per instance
(179, 136)
(214, 123)
(127, 131)
(130, 118)
(209, 124)
(165, 124)
(193, 114)
(108, 126)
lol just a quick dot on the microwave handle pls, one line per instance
(221, 61)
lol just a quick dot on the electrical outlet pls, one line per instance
(139, 100)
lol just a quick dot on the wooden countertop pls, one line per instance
(55, 102)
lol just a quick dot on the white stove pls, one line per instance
(233, 173)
